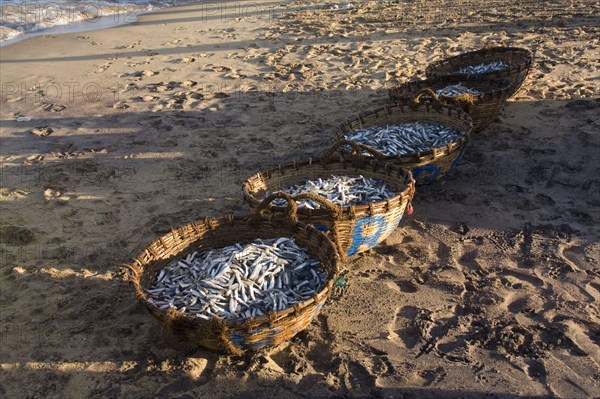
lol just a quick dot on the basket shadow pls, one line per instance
(89, 314)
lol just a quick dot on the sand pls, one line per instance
(490, 288)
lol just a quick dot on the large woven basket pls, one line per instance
(483, 107)
(429, 166)
(518, 59)
(186, 331)
(354, 229)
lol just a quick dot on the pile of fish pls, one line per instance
(341, 190)
(495, 66)
(239, 281)
(456, 90)
(406, 138)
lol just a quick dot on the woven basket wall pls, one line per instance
(518, 59)
(354, 229)
(430, 166)
(185, 331)
(484, 107)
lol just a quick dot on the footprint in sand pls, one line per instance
(138, 75)
(179, 99)
(174, 103)
(188, 83)
(128, 46)
(101, 68)
(143, 98)
(14, 235)
(13, 194)
(136, 64)
(51, 194)
(129, 87)
(42, 131)
(235, 74)
(173, 43)
(149, 98)
(53, 107)
(120, 105)
(406, 286)
(162, 86)
(220, 69)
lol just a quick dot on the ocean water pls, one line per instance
(22, 17)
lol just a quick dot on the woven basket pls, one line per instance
(354, 229)
(483, 107)
(432, 165)
(185, 331)
(518, 59)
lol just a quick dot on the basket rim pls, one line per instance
(137, 266)
(348, 212)
(432, 70)
(500, 88)
(402, 106)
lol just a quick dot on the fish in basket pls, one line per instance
(428, 138)
(481, 98)
(236, 284)
(358, 201)
(512, 63)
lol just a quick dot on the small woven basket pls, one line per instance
(483, 107)
(430, 166)
(519, 62)
(185, 331)
(354, 229)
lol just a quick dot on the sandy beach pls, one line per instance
(109, 138)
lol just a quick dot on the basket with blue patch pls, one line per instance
(434, 161)
(186, 331)
(354, 228)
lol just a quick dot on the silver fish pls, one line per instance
(239, 281)
(405, 138)
(341, 190)
(456, 90)
(495, 66)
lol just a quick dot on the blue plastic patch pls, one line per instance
(258, 344)
(320, 227)
(361, 236)
(237, 339)
(426, 174)
(456, 160)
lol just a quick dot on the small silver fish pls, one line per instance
(456, 90)
(405, 138)
(239, 281)
(341, 190)
(495, 66)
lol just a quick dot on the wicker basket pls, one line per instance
(518, 59)
(432, 165)
(354, 229)
(483, 107)
(185, 331)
